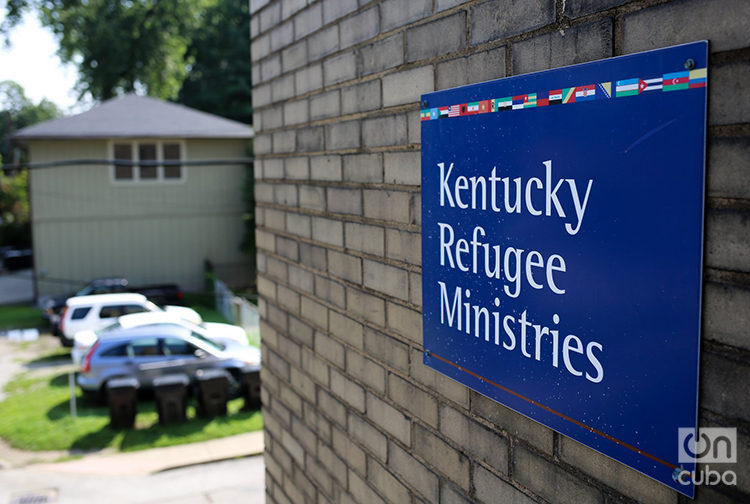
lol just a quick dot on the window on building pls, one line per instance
(147, 161)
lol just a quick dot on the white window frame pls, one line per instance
(134, 151)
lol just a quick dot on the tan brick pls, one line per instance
(515, 424)
(550, 481)
(386, 349)
(389, 419)
(386, 483)
(314, 312)
(476, 440)
(404, 321)
(364, 238)
(371, 438)
(346, 329)
(298, 224)
(336, 466)
(361, 491)
(446, 459)
(490, 488)
(413, 399)
(386, 205)
(353, 454)
(365, 370)
(315, 366)
(328, 231)
(332, 407)
(449, 389)
(363, 168)
(332, 292)
(345, 266)
(413, 472)
(366, 306)
(350, 392)
(387, 279)
(330, 349)
(620, 477)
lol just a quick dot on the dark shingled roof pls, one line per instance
(137, 116)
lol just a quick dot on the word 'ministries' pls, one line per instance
(516, 268)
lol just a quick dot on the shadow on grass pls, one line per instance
(59, 357)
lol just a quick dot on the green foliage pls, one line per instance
(120, 46)
(219, 79)
(18, 111)
(36, 416)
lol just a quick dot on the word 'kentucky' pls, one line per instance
(538, 197)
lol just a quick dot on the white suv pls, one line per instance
(99, 311)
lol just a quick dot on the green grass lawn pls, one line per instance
(36, 416)
(20, 317)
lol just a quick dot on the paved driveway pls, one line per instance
(17, 286)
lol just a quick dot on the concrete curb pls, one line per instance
(162, 459)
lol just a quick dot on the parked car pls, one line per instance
(99, 311)
(216, 332)
(148, 352)
(160, 294)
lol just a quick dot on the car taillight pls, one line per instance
(86, 367)
(62, 317)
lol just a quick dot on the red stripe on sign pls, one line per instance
(557, 413)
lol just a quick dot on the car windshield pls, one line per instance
(152, 307)
(207, 341)
(85, 291)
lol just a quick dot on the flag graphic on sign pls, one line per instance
(697, 78)
(601, 91)
(653, 84)
(676, 81)
(569, 95)
(604, 90)
(628, 87)
(542, 99)
(586, 93)
(504, 103)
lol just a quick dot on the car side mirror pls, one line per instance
(201, 354)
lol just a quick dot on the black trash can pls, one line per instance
(122, 397)
(170, 394)
(212, 392)
(250, 388)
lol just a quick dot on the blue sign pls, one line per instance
(562, 246)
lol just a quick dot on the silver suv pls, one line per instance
(147, 352)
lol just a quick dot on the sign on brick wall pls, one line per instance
(562, 243)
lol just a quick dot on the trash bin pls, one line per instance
(170, 394)
(212, 392)
(250, 388)
(122, 397)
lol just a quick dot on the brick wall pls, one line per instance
(351, 414)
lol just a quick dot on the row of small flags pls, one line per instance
(676, 81)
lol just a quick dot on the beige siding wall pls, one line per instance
(87, 226)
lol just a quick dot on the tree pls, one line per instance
(120, 46)
(219, 78)
(16, 112)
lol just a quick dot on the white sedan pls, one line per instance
(225, 334)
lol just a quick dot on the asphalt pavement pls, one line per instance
(227, 470)
(16, 286)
